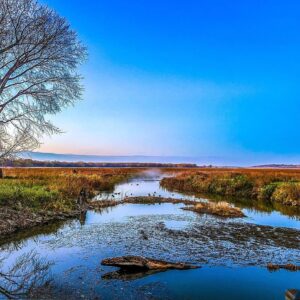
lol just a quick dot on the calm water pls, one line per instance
(233, 254)
(258, 213)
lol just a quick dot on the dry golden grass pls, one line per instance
(56, 188)
(222, 209)
(278, 185)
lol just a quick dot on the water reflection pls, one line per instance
(257, 212)
(141, 187)
(16, 241)
(129, 275)
(162, 231)
(28, 276)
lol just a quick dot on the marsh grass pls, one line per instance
(282, 186)
(56, 188)
(221, 209)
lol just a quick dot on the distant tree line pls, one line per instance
(62, 164)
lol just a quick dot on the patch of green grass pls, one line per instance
(55, 189)
(17, 194)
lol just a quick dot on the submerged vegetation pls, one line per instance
(278, 186)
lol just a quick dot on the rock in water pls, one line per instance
(144, 263)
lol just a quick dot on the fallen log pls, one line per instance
(292, 294)
(144, 263)
(289, 267)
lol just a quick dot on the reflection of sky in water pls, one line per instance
(273, 218)
(148, 186)
(226, 283)
(140, 188)
(77, 251)
(121, 213)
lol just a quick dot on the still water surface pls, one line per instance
(256, 212)
(233, 265)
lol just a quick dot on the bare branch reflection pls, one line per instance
(27, 277)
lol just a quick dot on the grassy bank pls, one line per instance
(36, 196)
(55, 189)
(279, 186)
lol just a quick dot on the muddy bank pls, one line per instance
(156, 200)
(12, 220)
(221, 209)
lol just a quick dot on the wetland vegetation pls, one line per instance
(268, 185)
(129, 213)
(30, 197)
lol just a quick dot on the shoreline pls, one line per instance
(13, 221)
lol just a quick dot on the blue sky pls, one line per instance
(191, 78)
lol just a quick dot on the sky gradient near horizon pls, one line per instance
(191, 78)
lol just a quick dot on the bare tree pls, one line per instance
(39, 56)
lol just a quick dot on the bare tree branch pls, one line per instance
(39, 56)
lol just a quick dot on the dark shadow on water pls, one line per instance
(15, 240)
(128, 275)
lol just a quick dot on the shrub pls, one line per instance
(266, 192)
(262, 184)
(287, 193)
